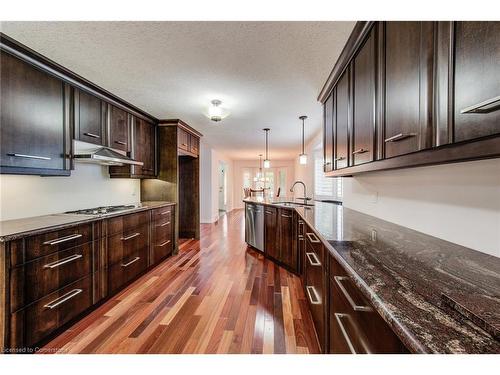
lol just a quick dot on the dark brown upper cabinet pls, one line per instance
(477, 79)
(118, 128)
(34, 126)
(143, 148)
(183, 139)
(408, 82)
(342, 121)
(364, 75)
(194, 144)
(90, 118)
(328, 134)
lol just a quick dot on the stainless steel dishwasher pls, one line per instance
(254, 225)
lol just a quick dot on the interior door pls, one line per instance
(477, 80)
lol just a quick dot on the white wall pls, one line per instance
(209, 182)
(456, 202)
(239, 165)
(88, 186)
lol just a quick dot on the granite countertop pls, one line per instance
(437, 296)
(14, 229)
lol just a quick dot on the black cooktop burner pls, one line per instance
(102, 210)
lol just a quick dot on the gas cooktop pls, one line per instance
(103, 210)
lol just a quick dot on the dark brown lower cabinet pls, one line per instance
(354, 325)
(315, 286)
(288, 252)
(271, 245)
(52, 278)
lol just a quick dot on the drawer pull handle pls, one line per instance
(164, 243)
(63, 261)
(487, 106)
(162, 225)
(399, 137)
(313, 295)
(121, 143)
(340, 158)
(338, 281)
(63, 298)
(63, 239)
(285, 215)
(92, 135)
(132, 261)
(130, 237)
(312, 237)
(314, 261)
(269, 212)
(30, 156)
(347, 339)
(360, 151)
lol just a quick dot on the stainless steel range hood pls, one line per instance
(102, 155)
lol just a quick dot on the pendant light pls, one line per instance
(303, 156)
(267, 162)
(259, 173)
(215, 111)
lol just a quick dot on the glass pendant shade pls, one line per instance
(215, 111)
(267, 164)
(303, 159)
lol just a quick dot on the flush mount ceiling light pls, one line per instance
(267, 162)
(303, 156)
(216, 112)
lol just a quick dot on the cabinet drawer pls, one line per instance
(126, 270)
(162, 214)
(48, 274)
(161, 250)
(355, 326)
(122, 246)
(56, 309)
(313, 244)
(48, 243)
(126, 223)
(161, 232)
(315, 294)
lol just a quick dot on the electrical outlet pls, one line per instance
(374, 235)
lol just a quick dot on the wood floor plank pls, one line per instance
(216, 296)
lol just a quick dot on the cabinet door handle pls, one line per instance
(164, 224)
(129, 263)
(92, 135)
(164, 212)
(130, 237)
(62, 239)
(313, 295)
(63, 261)
(183, 144)
(487, 106)
(360, 151)
(269, 212)
(312, 237)
(285, 215)
(147, 169)
(400, 137)
(340, 158)
(338, 318)
(338, 281)
(30, 156)
(314, 261)
(121, 143)
(164, 243)
(63, 298)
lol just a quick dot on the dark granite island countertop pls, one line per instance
(437, 296)
(14, 229)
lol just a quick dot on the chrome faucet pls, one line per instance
(305, 198)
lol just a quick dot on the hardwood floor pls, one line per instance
(216, 296)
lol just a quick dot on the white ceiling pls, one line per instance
(265, 73)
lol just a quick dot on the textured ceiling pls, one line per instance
(265, 73)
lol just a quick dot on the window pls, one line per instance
(325, 187)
